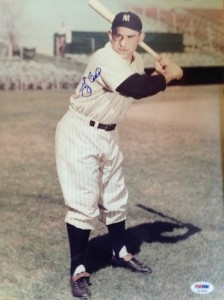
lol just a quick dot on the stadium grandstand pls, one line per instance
(202, 31)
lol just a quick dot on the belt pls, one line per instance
(105, 127)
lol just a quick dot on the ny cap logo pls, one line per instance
(126, 18)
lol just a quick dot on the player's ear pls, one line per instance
(110, 34)
(142, 36)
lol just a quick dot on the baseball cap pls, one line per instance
(128, 20)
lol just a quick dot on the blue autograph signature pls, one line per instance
(85, 89)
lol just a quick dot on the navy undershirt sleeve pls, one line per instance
(140, 86)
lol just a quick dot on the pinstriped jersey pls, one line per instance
(96, 96)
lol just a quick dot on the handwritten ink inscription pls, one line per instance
(86, 89)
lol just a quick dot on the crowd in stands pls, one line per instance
(25, 75)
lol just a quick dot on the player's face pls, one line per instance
(125, 41)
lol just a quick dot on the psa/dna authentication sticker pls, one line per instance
(202, 287)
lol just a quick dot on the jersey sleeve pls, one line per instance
(141, 86)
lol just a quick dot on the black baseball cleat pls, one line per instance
(80, 286)
(133, 264)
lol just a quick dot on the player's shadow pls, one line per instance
(169, 231)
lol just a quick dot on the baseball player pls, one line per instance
(88, 156)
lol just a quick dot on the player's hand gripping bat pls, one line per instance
(109, 16)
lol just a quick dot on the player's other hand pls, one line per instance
(172, 71)
(169, 69)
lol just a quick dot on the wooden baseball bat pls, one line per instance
(109, 16)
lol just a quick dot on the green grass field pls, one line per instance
(173, 172)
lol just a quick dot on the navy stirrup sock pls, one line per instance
(117, 236)
(78, 240)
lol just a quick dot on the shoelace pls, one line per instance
(137, 262)
(82, 283)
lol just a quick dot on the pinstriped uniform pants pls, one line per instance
(89, 166)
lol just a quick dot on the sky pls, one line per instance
(40, 19)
